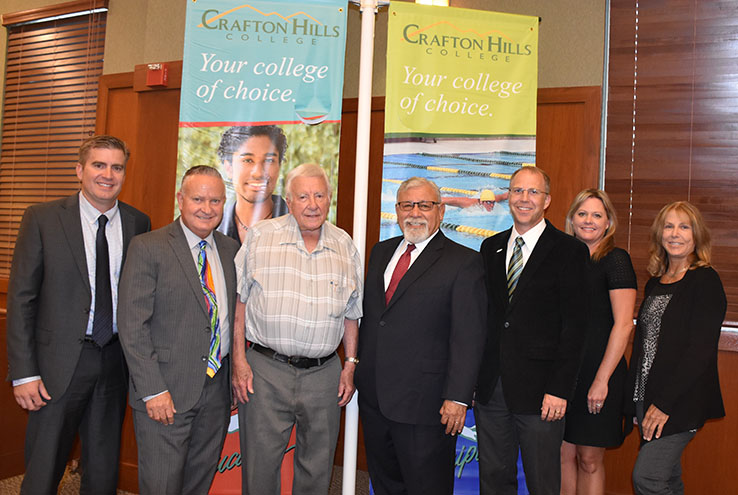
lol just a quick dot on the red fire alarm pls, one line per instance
(157, 75)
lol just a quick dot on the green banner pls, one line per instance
(460, 72)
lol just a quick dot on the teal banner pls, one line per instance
(262, 88)
(275, 61)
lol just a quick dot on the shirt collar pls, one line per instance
(193, 240)
(91, 214)
(532, 235)
(419, 246)
(295, 237)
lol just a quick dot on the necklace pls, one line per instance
(240, 223)
(672, 275)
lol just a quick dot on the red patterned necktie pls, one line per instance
(402, 265)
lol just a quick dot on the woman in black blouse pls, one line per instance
(594, 419)
(673, 376)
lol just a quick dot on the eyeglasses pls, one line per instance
(532, 192)
(422, 205)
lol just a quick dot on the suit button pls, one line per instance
(207, 330)
(86, 311)
(507, 324)
(382, 323)
(204, 358)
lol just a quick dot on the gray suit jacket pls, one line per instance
(162, 317)
(49, 291)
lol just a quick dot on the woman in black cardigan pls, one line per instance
(673, 376)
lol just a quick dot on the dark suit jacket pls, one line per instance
(536, 340)
(425, 345)
(162, 316)
(49, 291)
(683, 381)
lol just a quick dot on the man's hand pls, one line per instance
(31, 395)
(553, 408)
(161, 408)
(346, 384)
(653, 423)
(242, 379)
(453, 416)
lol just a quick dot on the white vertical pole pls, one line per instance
(361, 194)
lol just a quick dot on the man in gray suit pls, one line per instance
(177, 298)
(65, 360)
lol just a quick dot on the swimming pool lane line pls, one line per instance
(468, 192)
(453, 170)
(466, 229)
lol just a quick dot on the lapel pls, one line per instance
(225, 261)
(384, 255)
(178, 243)
(128, 222)
(427, 258)
(543, 246)
(69, 217)
(499, 267)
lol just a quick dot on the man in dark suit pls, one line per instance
(177, 299)
(422, 336)
(537, 316)
(65, 360)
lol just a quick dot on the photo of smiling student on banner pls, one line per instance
(251, 157)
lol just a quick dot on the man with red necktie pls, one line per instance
(420, 348)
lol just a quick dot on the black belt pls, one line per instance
(89, 340)
(296, 361)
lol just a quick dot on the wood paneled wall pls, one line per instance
(671, 123)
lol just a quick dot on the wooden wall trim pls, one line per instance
(52, 11)
(106, 84)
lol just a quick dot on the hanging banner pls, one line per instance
(460, 111)
(262, 88)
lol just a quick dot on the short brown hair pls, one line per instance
(200, 170)
(607, 243)
(658, 261)
(103, 141)
(535, 170)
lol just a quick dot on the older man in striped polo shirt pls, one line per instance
(300, 292)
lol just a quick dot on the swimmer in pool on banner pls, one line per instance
(487, 200)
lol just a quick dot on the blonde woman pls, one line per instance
(673, 378)
(594, 421)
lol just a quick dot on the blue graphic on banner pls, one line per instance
(466, 470)
(270, 61)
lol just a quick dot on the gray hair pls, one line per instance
(419, 182)
(305, 170)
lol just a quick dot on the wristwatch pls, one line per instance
(352, 360)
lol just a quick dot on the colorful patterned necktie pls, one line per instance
(208, 288)
(400, 269)
(515, 266)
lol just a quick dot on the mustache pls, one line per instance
(414, 222)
